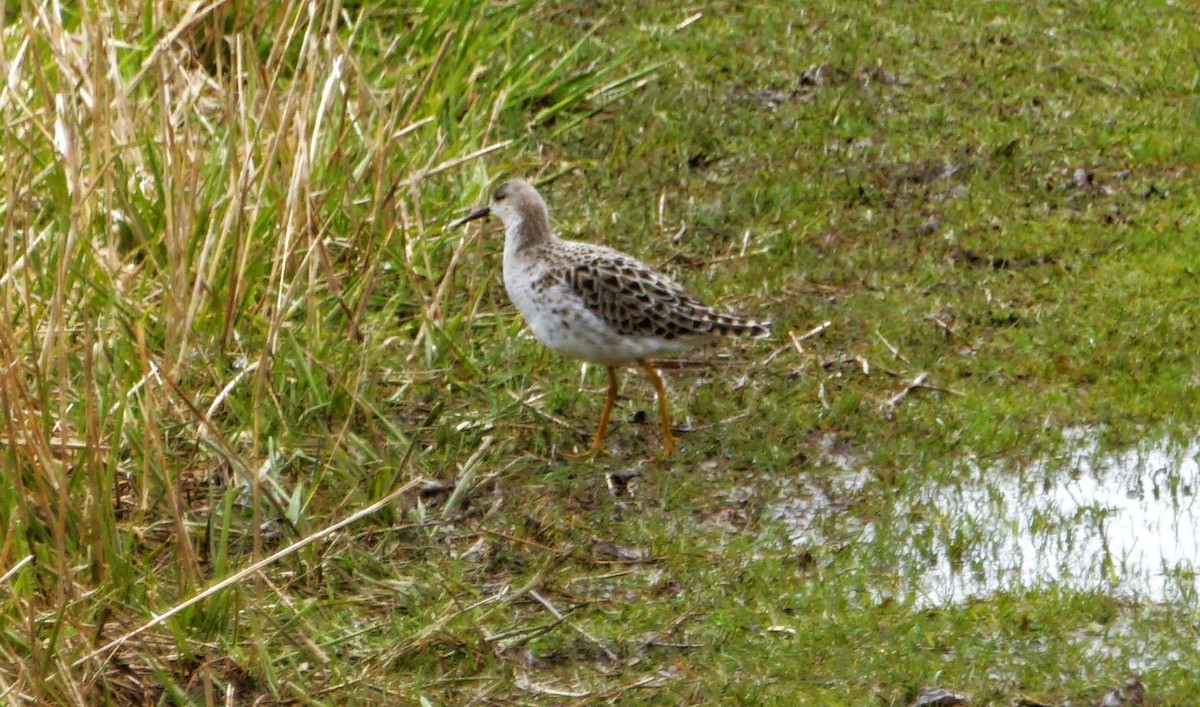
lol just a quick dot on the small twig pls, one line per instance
(528, 404)
(520, 635)
(536, 581)
(807, 335)
(678, 252)
(515, 539)
(598, 577)
(814, 331)
(688, 20)
(195, 13)
(653, 639)
(18, 265)
(523, 682)
(890, 404)
(941, 323)
(613, 696)
(595, 641)
(668, 644)
(409, 128)
(794, 342)
(939, 389)
(303, 637)
(450, 164)
(418, 642)
(56, 444)
(766, 362)
(16, 568)
(662, 210)
(895, 351)
(216, 403)
(502, 599)
(736, 256)
(466, 478)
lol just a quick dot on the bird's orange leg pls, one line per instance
(609, 401)
(664, 417)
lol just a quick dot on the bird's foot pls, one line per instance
(668, 446)
(596, 450)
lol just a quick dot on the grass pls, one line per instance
(235, 316)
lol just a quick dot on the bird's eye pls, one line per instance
(499, 197)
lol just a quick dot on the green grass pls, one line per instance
(234, 315)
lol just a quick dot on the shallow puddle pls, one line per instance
(1125, 524)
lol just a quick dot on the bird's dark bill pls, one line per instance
(477, 214)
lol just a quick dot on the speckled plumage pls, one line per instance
(596, 304)
(638, 301)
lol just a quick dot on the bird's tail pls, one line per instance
(733, 325)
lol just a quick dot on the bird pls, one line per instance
(595, 304)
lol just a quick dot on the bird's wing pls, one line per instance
(634, 299)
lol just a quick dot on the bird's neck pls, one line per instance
(527, 232)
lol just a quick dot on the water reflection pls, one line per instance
(1126, 524)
